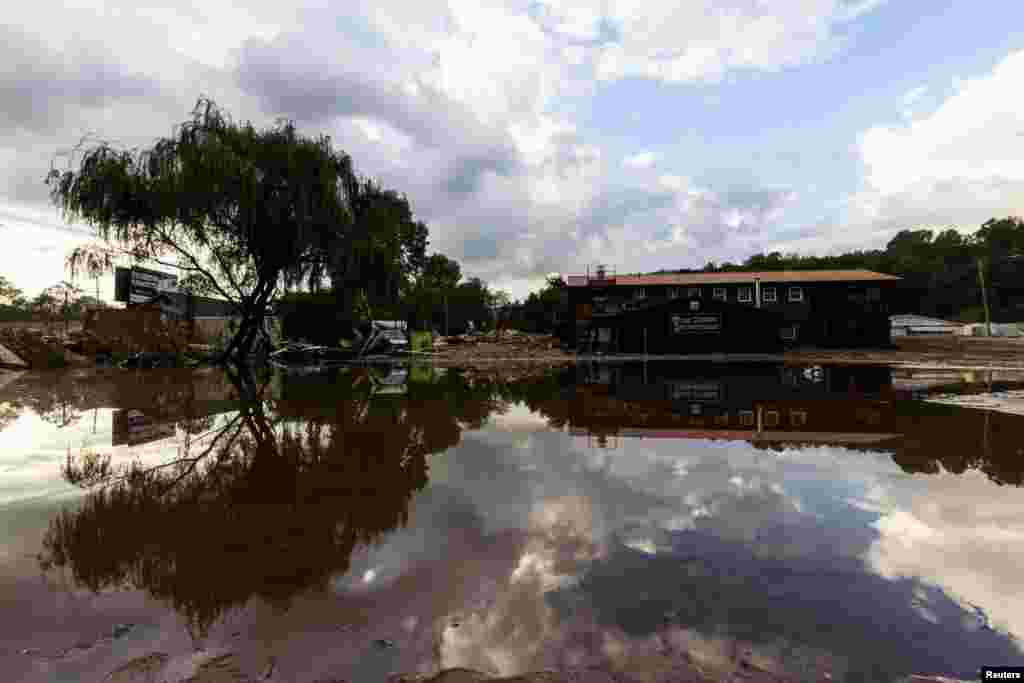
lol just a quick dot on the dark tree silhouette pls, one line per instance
(235, 209)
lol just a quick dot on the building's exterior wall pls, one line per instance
(829, 314)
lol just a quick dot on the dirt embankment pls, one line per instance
(527, 350)
(938, 352)
(514, 356)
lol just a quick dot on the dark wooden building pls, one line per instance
(738, 312)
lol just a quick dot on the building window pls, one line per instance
(796, 294)
(694, 305)
(771, 418)
(747, 418)
(745, 295)
(673, 292)
(718, 294)
(768, 295)
(640, 293)
(722, 420)
(874, 293)
(693, 292)
(788, 333)
(798, 418)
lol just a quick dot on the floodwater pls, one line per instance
(650, 520)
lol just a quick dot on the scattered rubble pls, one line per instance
(38, 350)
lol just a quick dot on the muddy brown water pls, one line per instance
(622, 522)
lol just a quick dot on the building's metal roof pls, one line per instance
(914, 320)
(777, 276)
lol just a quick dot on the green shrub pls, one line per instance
(56, 359)
(421, 340)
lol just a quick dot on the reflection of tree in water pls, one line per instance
(938, 437)
(60, 412)
(272, 502)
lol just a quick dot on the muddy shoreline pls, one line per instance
(949, 353)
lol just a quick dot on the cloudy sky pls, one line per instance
(537, 137)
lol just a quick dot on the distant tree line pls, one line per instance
(62, 302)
(939, 269)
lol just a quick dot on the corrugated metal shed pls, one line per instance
(910, 324)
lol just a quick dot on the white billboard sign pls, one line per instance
(147, 284)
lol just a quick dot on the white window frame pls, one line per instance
(769, 295)
(795, 294)
(788, 333)
(720, 294)
(694, 305)
(640, 293)
(745, 295)
(747, 418)
(798, 418)
(693, 292)
(771, 418)
(673, 292)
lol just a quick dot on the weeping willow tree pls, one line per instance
(239, 212)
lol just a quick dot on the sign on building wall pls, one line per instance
(705, 323)
(695, 391)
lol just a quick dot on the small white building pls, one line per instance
(907, 325)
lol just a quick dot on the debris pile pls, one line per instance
(131, 330)
(39, 350)
(512, 345)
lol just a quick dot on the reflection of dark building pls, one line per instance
(772, 405)
(701, 312)
(763, 403)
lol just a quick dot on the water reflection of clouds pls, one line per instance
(959, 532)
(962, 533)
(516, 520)
(32, 451)
(815, 510)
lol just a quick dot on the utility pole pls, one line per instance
(984, 296)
